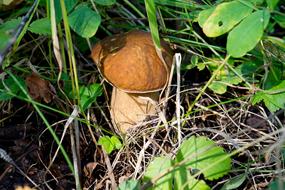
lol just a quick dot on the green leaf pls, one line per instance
(275, 185)
(256, 2)
(69, 5)
(84, 21)
(280, 19)
(218, 87)
(109, 144)
(183, 180)
(250, 30)
(41, 26)
(272, 3)
(234, 182)
(7, 30)
(105, 2)
(116, 142)
(274, 76)
(247, 69)
(156, 168)
(12, 87)
(225, 17)
(204, 15)
(202, 154)
(224, 78)
(106, 143)
(131, 184)
(274, 98)
(89, 94)
(10, 25)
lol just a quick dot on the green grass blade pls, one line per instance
(151, 15)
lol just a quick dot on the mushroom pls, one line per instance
(129, 62)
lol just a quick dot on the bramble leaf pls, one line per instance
(41, 26)
(129, 185)
(273, 98)
(184, 180)
(202, 154)
(157, 167)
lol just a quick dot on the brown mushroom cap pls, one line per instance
(129, 62)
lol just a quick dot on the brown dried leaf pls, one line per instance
(39, 89)
(89, 168)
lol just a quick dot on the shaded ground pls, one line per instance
(231, 124)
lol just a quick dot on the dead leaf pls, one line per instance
(39, 89)
(89, 168)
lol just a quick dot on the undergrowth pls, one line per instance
(222, 127)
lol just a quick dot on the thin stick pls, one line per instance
(110, 170)
(178, 113)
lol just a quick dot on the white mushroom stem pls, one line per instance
(127, 109)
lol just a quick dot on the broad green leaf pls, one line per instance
(201, 66)
(41, 26)
(4, 38)
(274, 76)
(276, 185)
(89, 94)
(69, 5)
(7, 30)
(116, 142)
(247, 34)
(105, 2)
(272, 3)
(84, 21)
(151, 15)
(12, 87)
(247, 69)
(256, 2)
(109, 144)
(106, 143)
(156, 168)
(274, 98)
(225, 17)
(204, 15)
(235, 182)
(218, 87)
(10, 25)
(129, 185)
(183, 180)
(202, 154)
